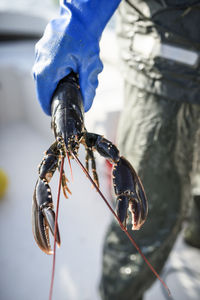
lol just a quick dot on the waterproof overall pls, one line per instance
(159, 133)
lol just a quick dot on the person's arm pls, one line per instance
(71, 43)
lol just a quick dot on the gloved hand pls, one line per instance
(71, 43)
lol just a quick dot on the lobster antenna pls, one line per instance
(55, 231)
(121, 225)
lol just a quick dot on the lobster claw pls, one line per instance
(130, 194)
(43, 216)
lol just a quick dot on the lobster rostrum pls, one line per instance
(70, 132)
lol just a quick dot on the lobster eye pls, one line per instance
(59, 139)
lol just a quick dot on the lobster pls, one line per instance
(69, 130)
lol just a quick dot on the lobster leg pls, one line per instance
(90, 156)
(43, 215)
(64, 182)
(65, 188)
(127, 185)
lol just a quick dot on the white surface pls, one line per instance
(44, 8)
(21, 23)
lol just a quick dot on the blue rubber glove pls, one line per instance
(71, 43)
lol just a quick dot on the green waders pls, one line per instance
(158, 134)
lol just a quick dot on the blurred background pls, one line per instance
(25, 271)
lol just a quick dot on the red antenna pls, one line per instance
(55, 231)
(121, 225)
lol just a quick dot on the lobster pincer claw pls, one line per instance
(127, 184)
(43, 216)
(130, 194)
